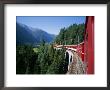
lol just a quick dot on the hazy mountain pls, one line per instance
(29, 35)
(42, 35)
(23, 35)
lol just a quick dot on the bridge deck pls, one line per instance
(77, 66)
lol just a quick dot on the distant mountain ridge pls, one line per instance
(29, 35)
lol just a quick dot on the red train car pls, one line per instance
(80, 50)
(86, 49)
(89, 44)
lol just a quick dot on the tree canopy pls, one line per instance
(73, 34)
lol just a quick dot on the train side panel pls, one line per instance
(89, 44)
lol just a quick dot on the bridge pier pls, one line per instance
(69, 57)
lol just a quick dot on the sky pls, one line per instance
(50, 24)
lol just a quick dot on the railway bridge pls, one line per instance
(75, 63)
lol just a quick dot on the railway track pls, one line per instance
(77, 66)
